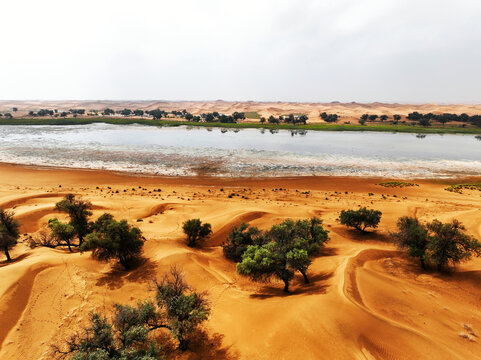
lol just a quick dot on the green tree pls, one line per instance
(125, 112)
(183, 308)
(79, 211)
(290, 247)
(308, 235)
(62, 233)
(264, 261)
(413, 236)
(361, 219)
(108, 112)
(272, 120)
(424, 122)
(449, 243)
(196, 231)
(113, 239)
(9, 231)
(240, 238)
(156, 114)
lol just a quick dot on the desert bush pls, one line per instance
(196, 231)
(395, 184)
(126, 336)
(79, 211)
(113, 239)
(9, 232)
(361, 219)
(458, 188)
(183, 309)
(130, 333)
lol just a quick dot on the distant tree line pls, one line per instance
(425, 119)
(287, 119)
(444, 118)
(373, 117)
(156, 114)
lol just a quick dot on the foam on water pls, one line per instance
(189, 152)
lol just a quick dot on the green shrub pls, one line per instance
(395, 184)
(196, 231)
(113, 239)
(361, 219)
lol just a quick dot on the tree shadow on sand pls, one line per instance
(143, 271)
(14, 260)
(327, 251)
(356, 235)
(298, 287)
(202, 346)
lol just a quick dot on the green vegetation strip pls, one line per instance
(395, 184)
(458, 188)
(318, 127)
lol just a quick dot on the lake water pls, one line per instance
(248, 152)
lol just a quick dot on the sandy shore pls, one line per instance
(366, 300)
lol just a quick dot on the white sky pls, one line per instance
(324, 50)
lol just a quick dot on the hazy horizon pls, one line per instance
(365, 51)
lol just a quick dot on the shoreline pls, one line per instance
(311, 181)
(248, 125)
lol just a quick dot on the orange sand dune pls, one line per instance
(366, 300)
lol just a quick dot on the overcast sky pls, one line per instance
(305, 50)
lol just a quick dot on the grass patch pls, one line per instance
(316, 127)
(252, 115)
(458, 188)
(397, 184)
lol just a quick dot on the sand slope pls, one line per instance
(348, 111)
(365, 300)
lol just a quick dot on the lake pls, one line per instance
(184, 151)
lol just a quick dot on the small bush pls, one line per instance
(196, 231)
(397, 184)
(458, 188)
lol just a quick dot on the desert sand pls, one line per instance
(348, 111)
(367, 300)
